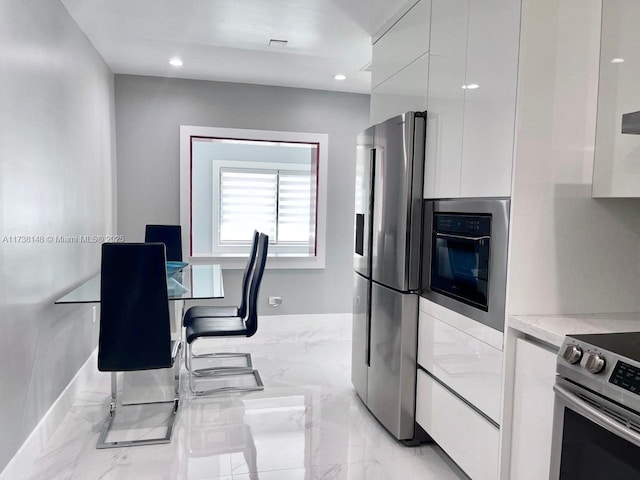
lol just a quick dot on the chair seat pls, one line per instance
(200, 312)
(215, 327)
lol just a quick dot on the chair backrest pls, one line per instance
(246, 277)
(170, 235)
(135, 328)
(261, 260)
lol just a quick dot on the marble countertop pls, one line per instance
(553, 328)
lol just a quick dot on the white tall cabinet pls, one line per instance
(400, 65)
(471, 98)
(445, 98)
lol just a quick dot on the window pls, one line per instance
(277, 202)
(236, 181)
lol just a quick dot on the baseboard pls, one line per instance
(23, 460)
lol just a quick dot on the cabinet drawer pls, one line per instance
(405, 41)
(468, 366)
(471, 441)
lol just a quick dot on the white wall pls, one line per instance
(56, 178)
(569, 253)
(149, 112)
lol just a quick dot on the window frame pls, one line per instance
(283, 260)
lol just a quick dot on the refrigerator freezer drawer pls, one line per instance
(393, 348)
(360, 335)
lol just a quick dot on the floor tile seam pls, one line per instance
(311, 466)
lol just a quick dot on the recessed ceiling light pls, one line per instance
(617, 60)
(176, 62)
(471, 86)
(340, 76)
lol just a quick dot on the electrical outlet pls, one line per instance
(275, 301)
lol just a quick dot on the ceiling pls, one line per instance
(228, 40)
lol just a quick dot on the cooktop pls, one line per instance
(625, 344)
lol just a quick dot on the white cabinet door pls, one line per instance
(445, 99)
(405, 41)
(403, 92)
(533, 400)
(616, 172)
(489, 109)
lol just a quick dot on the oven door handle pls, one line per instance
(462, 237)
(590, 412)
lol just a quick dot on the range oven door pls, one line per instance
(593, 437)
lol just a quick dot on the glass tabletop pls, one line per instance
(194, 282)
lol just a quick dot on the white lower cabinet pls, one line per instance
(533, 399)
(470, 440)
(467, 365)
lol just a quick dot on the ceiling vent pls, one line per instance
(278, 43)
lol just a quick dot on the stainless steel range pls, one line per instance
(596, 430)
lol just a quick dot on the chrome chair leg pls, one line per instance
(248, 367)
(113, 406)
(217, 372)
(231, 388)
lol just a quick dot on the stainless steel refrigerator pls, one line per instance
(387, 258)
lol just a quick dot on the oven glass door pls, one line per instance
(593, 437)
(590, 451)
(460, 268)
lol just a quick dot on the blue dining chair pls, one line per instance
(247, 326)
(135, 328)
(170, 235)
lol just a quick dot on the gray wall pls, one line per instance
(56, 176)
(149, 112)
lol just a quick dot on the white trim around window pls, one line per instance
(276, 260)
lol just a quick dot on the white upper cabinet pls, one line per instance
(403, 43)
(405, 91)
(445, 102)
(489, 109)
(471, 98)
(616, 170)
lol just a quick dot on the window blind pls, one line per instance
(294, 206)
(248, 201)
(277, 202)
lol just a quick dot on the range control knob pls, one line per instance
(572, 354)
(595, 363)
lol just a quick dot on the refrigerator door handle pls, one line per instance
(368, 326)
(360, 233)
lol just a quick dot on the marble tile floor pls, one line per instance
(308, 423)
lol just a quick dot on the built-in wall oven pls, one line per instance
(465, 257)
(596, 425)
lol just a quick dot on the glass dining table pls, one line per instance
(194, 282)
